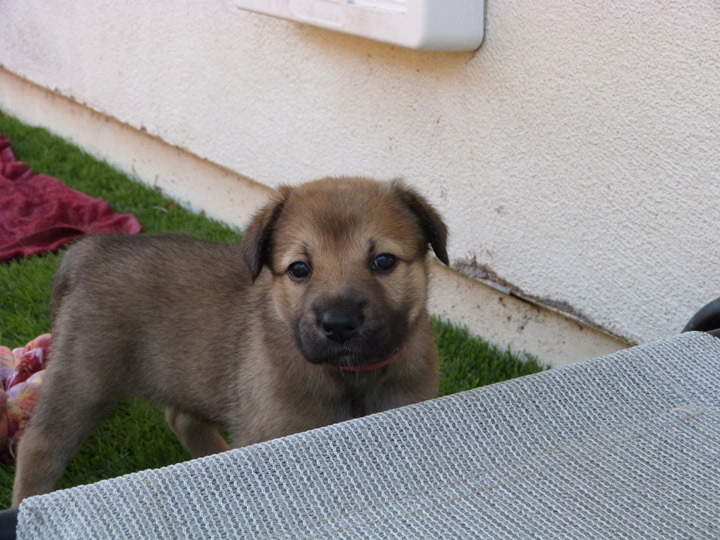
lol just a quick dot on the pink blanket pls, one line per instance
(39, 213)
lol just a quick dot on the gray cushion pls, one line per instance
(624, 446)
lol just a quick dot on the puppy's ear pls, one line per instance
(258, 237)
(430, 222)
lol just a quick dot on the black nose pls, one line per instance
(340, 324)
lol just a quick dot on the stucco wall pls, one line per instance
(576, 155)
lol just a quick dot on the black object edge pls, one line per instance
(8, 524)
(706, 320)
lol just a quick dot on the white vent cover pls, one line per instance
(439, 25)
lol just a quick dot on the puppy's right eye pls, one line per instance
(298, 271)
(384, 262)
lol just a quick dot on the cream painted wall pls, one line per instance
(576, 154)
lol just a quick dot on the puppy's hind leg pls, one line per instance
(68, 408)
(199, 437)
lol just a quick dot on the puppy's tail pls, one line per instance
(66, 277)
(62, 284)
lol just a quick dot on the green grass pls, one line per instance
(467, 361)
(135, 436)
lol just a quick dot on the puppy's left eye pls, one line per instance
(299, 271)
(384, 262)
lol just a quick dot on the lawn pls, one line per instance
(135, 436)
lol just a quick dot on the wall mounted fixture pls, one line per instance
(437, 25)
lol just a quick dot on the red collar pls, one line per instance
(376, 365)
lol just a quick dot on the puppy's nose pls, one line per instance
(339, 324)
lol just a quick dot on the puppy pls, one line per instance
(318, 317)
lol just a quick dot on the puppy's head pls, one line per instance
(347, 260)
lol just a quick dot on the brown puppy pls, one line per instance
(320, 316)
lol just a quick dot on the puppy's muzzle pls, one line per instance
(341, 320)
(340, 325)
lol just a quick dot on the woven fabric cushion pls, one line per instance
(624, 446)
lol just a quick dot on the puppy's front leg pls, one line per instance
(198, 436)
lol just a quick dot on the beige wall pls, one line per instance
(575, 155)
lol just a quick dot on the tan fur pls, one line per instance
(222, 335)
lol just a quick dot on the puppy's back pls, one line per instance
(123, 299)
(119, 264)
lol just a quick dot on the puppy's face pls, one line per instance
(347, 258)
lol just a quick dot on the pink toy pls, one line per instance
(21, 372)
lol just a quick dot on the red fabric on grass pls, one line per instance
(39, 213)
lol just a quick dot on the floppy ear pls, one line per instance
(430, 222)
(257, 239)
